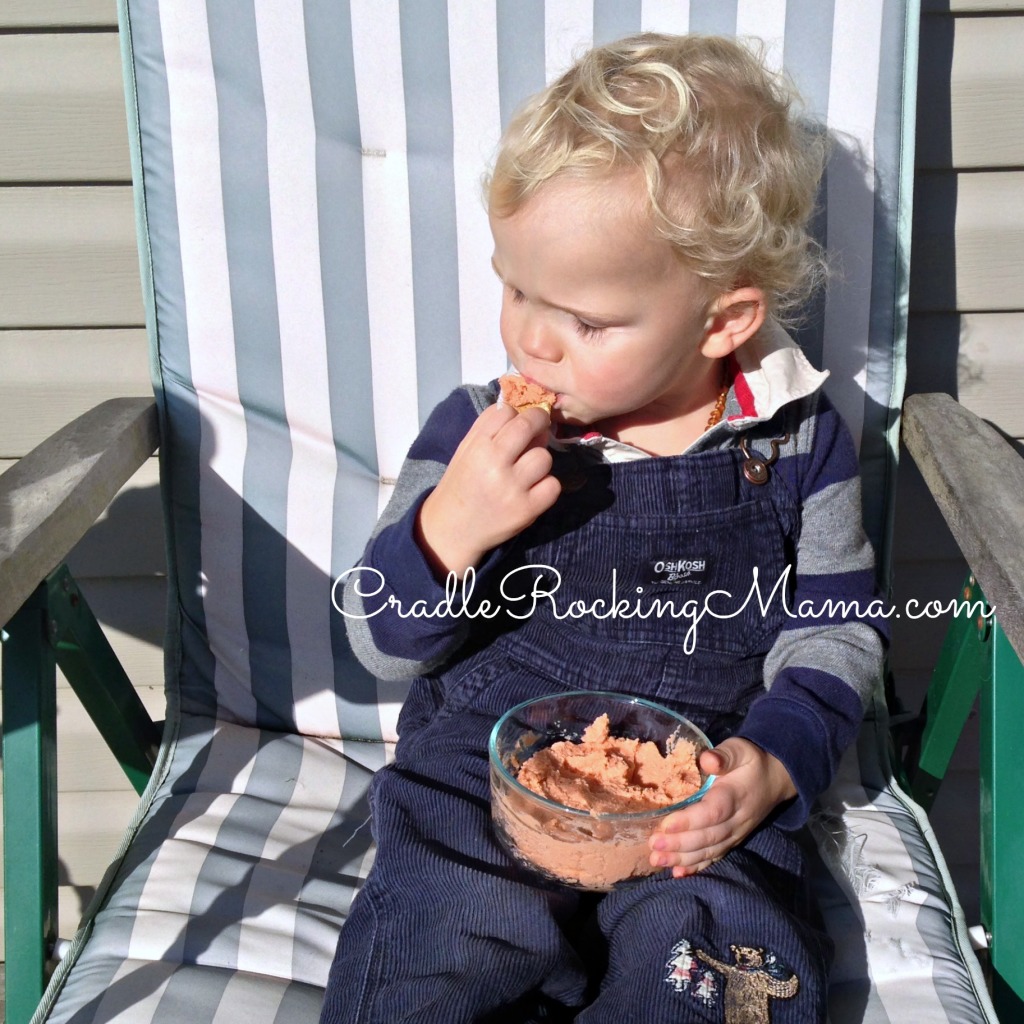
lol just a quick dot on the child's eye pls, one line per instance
(517, 296)
(585, 330)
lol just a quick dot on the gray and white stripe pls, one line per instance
(210, 330)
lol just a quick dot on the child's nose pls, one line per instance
(538, 340)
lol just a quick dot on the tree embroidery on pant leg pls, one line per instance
(749, 984)
(686, 975)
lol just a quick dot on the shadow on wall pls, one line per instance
(928, 561)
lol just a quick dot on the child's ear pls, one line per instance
(734, 318)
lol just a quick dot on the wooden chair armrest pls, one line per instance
(50, 498)
(977, 480)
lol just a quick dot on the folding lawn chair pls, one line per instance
(315, 262)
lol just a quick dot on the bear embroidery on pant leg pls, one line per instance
(749, 984)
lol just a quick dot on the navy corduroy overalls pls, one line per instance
(447, 929)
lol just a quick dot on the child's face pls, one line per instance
(598, 309)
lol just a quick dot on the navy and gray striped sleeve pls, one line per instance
(389, 596)
(824, 665)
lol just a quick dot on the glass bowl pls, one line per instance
(585, 849)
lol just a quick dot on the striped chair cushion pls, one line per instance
(320, 266)
(245, 864)
(316, 260)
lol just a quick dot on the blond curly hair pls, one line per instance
(731, 168)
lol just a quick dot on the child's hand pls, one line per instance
(749, 785)
(497, 483)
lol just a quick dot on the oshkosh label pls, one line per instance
(679, 570)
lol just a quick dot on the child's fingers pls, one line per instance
(492, 420)
(501, 433)
(531, 461)
(543, 494)
(533, 466)
(697, 836)
(686, 844)
(718, 805)
(717, 761)
(695, 859)
(538, 419)
(709, 817)
(685, 870)
(502, 424)
(715, 848)
(684, 865)
(700, 834)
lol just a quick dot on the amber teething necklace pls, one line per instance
(716, 412)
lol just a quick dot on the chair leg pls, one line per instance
(30, 804)
(1002, 826)
(963, 668)
(91, 667)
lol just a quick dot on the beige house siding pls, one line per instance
(26, 15)
(71, 335)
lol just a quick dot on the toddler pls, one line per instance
(650, 216)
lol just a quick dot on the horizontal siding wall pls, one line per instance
(966, 83)
(68, 257)
(63, 107)
(71, 335)
(966, 330)
(49, 14)
(968, 248)
(49, 376)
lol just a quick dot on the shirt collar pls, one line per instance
(770, 371)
